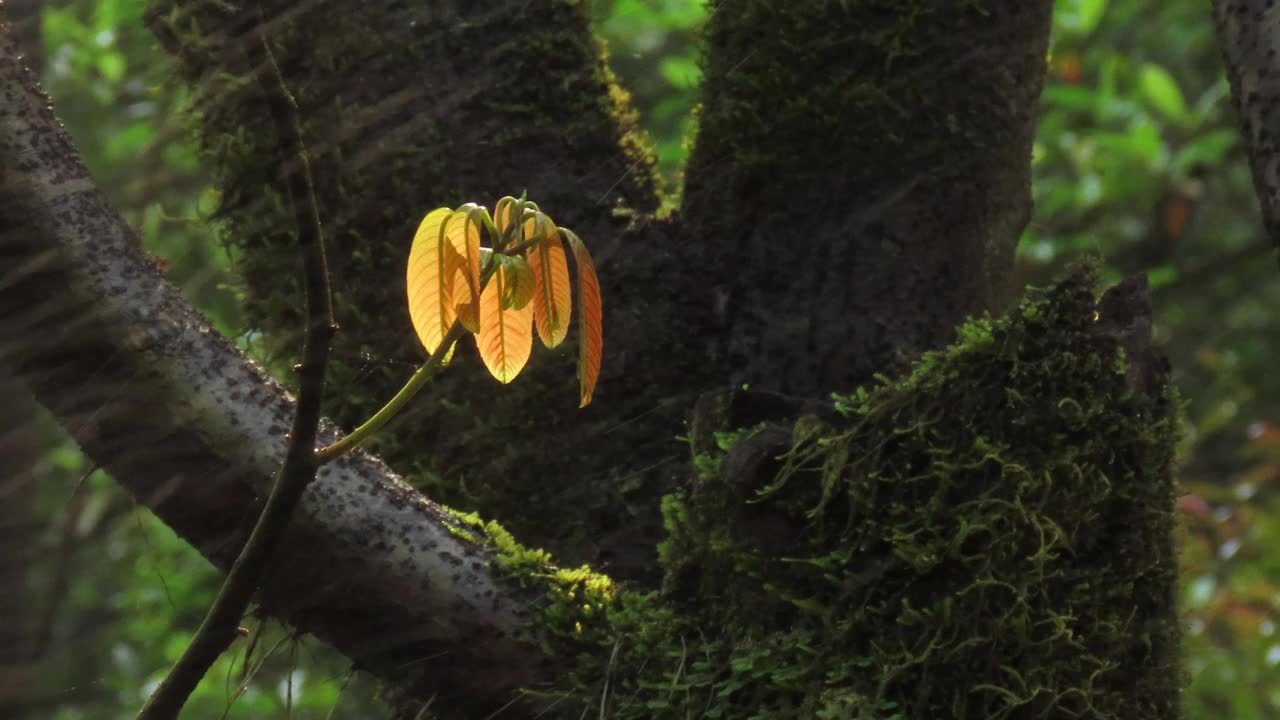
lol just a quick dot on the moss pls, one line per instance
(986, 536)
(869, 121)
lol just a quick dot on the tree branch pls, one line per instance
(1249, 33)
(195, 431)
(218, 630)
(1013, 498)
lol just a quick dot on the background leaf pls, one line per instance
(1162, 91)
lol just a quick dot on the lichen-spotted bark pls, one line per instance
(1251, 51)
(407, 107)
(864, 167)
(195, 432)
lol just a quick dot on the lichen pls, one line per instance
(985, 536)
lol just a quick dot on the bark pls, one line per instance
(193, 430)
(436, 104)
(1249, 33)
(850, 586)
(410, 107)
(21, 447)
(862, 174)
(24, 19)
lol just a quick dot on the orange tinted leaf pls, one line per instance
(505, 339)
(552, 300)
(465, 304)
(427, 283)
(463, 263)
(590, 333)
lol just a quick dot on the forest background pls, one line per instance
(1137, 160)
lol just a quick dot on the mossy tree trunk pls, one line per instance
(986, 535)
(857, 187)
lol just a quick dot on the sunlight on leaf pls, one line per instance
(428, 283)
(590, 334)
(518, 282)
(505, 340)
(505, 293)
(463, 264)
(552, 299)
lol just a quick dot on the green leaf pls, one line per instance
(1089, 14)
(1162, 92)
(1208, 150)
(1161, 276)
(1079, 16)
(681, 72)
(517, 291)
(1070, 97)
(111, 65)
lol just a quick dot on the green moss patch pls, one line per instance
(986, 537)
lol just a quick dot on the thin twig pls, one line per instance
(60, 580)
(219, 627)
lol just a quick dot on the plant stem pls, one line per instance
(299, 468)
(388, 411)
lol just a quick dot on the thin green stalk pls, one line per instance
(218, 629)
(388, 411)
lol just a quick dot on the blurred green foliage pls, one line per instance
(652, 47)
(1137, 158)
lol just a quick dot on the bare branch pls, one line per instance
(299, 469)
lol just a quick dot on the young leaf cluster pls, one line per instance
(507, 292)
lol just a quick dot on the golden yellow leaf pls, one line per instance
(552, 299)
(465, 303)
(505, 339)
(463, 261)
(428, 284)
